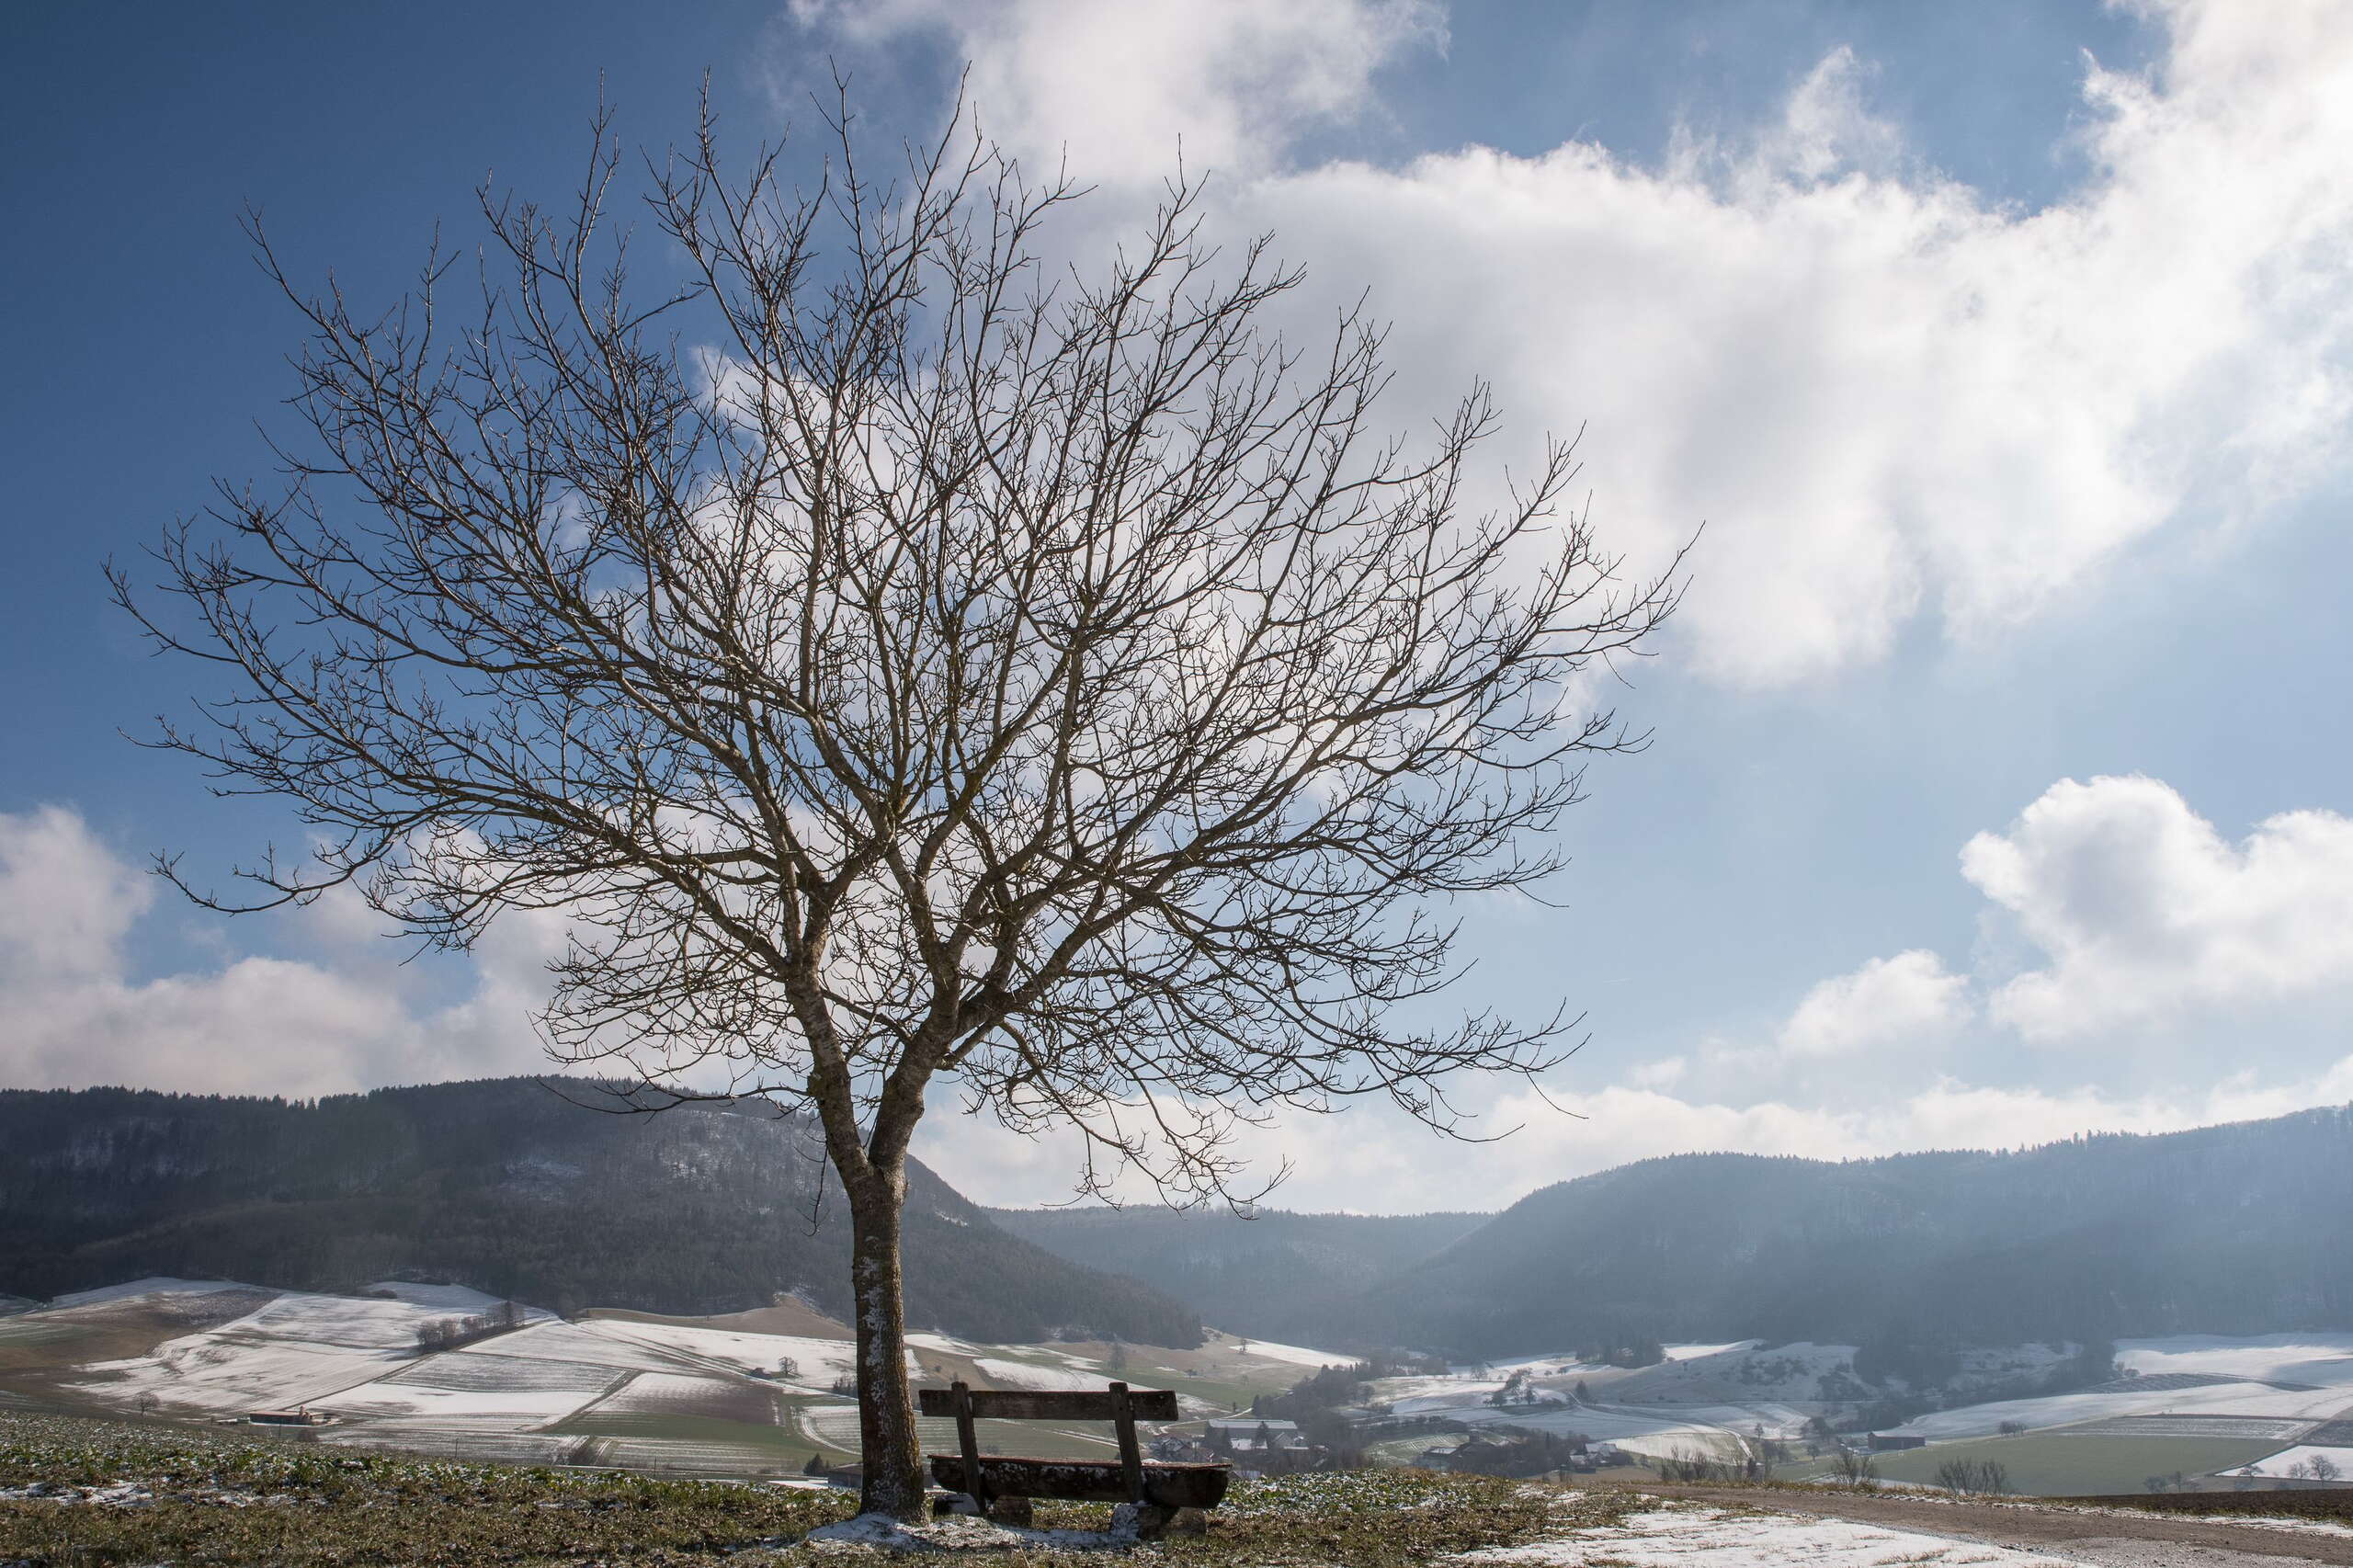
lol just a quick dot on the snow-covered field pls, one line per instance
(1707, 1538)
(2298, 1460)
(1659, 1436)
(2322, 1359)
(1702, 1398)
(816, 1362)
(2066, 1409)
(156, 1285)
(212, 1374)
(1295, 1355)
(1030, 1375)
(295, 1348)
(1698, 1352)
(588, 1343)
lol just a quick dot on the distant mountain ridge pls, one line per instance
(501, 1185)
(1270, 1275)
(2243, 1229)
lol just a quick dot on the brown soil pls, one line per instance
(115, 1331)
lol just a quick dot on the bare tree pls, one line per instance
(968, 671)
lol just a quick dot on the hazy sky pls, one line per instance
(2002, 749)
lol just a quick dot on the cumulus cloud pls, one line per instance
(1906, 999)
(2139, 912)
(1368, 1162)
(1118, 88)
(73, 1015)
(1888, 395)
(2143, 910)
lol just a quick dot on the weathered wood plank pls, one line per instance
(1124, 1418)
(967, 1443)
(1086, 1481)
(1040, 1404)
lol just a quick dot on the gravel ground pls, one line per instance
(2105, 1538)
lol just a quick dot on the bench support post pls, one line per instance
(970, 1441)
(1130, 1455)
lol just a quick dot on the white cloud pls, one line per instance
(71, 1014)
(1907, 999)
(1366, 1161)
(1117, 88)
(1888, 395)
(65, 903)
(2143, 910)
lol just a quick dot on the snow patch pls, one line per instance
(2296, 1461)
(159, 1285)
(2322, 1359)
(1029, 1375)
(1297, 1355)
(1674, 1538)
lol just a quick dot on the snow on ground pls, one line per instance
(159, 1285)
(945, 1345)
(1658, 1435)
(493, 1439)
(1297, 1355)
(218, 1374)
(817, 1361)
(2297, 1461)
(1704, 1537)
(581, 1342)
(458, 1301)
(358, 1322)
(684, 1393)
(833, 1424)
(467, 1369)
(516, 1408)
(1542, 1366)
(1029, 1375)
(2322, 1359)
(1779, 1420)
(528, 1391)
(1694, 1352)
(2063, 1409)
(1412, 1396)
(294, 1348)
(2004, 1360)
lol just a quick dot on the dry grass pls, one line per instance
(76, 1493)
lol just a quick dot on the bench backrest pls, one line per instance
(1036, 1404)
(1118, 1404)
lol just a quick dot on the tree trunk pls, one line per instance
(893, 1480)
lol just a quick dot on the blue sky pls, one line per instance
(2000, 770)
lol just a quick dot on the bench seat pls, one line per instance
(1165, 1486)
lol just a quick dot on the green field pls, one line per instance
(2061, 1463)
(767, 1441)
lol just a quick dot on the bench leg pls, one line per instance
(1016, 1512)
(1147, 1521)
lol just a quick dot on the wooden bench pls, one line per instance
(1001, 1485)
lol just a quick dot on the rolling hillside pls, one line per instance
(1274, 1274)
(2237, 1230)
(502, 1186)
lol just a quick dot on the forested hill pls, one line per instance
(1271, 1275)
(504, 1186)
(2244, 1229)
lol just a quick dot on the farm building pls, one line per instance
(1249, 1433)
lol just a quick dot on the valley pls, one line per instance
(761, 1393)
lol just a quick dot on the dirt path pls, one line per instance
(2127, 1540)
